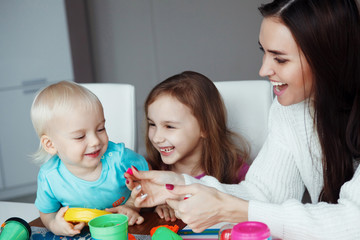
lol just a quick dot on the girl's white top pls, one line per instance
(289, 161)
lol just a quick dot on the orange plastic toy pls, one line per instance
(174, 228)
(131, 237)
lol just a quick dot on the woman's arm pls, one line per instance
(272, 177)
(207, 206)
(313, 221)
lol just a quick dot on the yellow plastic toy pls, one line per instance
(83, 214)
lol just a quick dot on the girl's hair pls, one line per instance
(221, 156)
(328, 33)
(56, 100)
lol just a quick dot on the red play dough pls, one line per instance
(226, 234)
(131, 237)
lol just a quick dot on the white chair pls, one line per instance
(119, 105)
(248, 103)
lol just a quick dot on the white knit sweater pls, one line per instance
(288, 162)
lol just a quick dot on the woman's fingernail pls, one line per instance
(129, 171)
(169, 186)
(187, 196)
(138, 187)
(127, 181)
(143, 196)
(135, 168)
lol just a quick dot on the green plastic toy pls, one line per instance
(163, 233)
(15, 229)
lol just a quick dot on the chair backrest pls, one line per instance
(248, 103)
(119, 105)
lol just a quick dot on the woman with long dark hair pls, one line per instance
(312, 57)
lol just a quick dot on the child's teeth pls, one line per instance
(166, 150)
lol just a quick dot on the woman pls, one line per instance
(312, 57)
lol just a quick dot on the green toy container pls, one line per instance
(109, 227)
(15, 229)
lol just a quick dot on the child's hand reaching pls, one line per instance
(131, 212)
(166, 212)
(56, 223)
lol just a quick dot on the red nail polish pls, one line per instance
(127, 181)
(135, 168)
(129, 171)
(186, 198)
(169, 186)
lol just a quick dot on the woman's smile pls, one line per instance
(279, 87)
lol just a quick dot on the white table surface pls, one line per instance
(26, 211)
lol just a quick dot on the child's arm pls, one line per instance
(56, 223)
(129, 210)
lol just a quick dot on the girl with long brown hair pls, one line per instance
(187, 132)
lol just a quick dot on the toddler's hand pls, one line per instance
(132, 213)
(166, 212)
(59, 226)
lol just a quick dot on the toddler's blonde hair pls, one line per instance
(54, 100)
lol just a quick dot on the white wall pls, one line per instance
(34, 52)
(143, 42)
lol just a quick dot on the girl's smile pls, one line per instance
(175, 133)
(166, 151)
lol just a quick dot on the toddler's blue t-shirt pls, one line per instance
(57, 187)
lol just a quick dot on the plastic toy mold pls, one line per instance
(83, 214)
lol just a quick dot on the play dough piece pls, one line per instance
(83, 214)
(131, 237)
(163, 233)
(174, 228)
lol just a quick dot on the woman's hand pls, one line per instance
(207, 206)
(152, 191)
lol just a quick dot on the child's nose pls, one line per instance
(158, 137)
(94, 140)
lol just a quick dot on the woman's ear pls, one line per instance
(48, 145)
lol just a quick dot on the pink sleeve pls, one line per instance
(242, 172)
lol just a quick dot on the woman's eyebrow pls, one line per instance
(275, 52)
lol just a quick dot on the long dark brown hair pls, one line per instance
(328, 33)
(222, 150)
